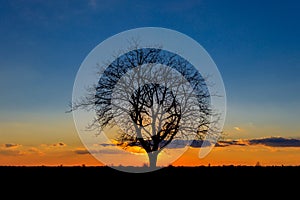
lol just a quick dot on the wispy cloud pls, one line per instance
(35, 150)
(58, 144)
(82, 151)
(237, 128)
(199, 143)
(106, 145)
(226, 143)
(276, 142)
(10, 152)
(11, 145)
(11, 149)
(266, 141)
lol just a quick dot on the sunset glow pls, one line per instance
(255, 46)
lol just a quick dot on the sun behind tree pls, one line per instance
(156, 98)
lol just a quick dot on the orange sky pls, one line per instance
(62, 154)
(54, 141)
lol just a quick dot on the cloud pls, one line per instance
(59, 144)
(11, 149)
(35, 150)
(176, 144)
(200, 143)
(226, 143)
(81, 151)
(11, 152)
(266, 141)
(106, 145)
(107, 151)
(237, 129)
(12, 145)
(275, 142)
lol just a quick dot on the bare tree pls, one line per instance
(155, 97)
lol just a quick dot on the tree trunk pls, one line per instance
(152, 159)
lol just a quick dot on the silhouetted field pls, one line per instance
(203, 172)
(272, 179)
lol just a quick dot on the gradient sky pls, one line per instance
(255, 44)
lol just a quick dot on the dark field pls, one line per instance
(273, 180)
(200, 173)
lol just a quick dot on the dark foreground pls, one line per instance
(271, 180)
(71, 172)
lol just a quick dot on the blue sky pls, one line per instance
(255, 44)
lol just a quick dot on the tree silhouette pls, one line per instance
(155, 97)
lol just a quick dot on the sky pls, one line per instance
(255, 45)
